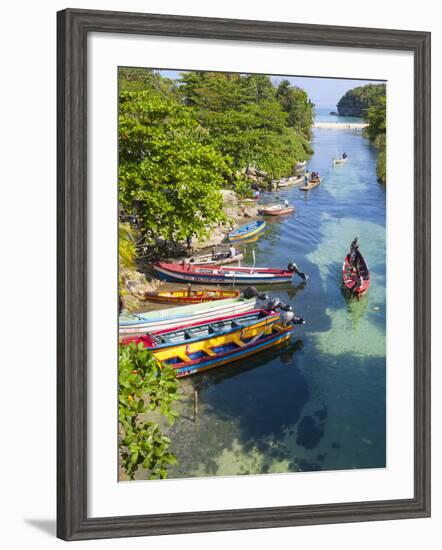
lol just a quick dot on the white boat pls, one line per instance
(339, 160)
(220, 258)
(292, 180)
(138, 323)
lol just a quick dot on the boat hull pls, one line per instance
(198, 332)
(174, 317)
(228, 349)
(310, 185)
(227, 276)
(192, 297)
(276, 211)
(247, 231)
(207, 260)
(355, 285)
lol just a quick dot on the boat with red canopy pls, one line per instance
(355, 272)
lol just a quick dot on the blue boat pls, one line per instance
(247, 231)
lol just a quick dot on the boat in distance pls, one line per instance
(247, 231)
(213, 352)
(219, 258)
(195, 332)
(189, 296)
(340, 160)
(226, 274)
(139, 323)
(355, 272)
(276, 210)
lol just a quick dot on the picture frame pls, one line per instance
(73, 27)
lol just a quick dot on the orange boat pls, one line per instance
(189, 296)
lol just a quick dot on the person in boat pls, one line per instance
(232, 251)
(344, 155)
(314, 176)
(286, 203)
(306, 177)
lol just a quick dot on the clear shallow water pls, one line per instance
(318, 403)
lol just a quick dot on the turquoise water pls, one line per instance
(322, 114)
(317, 403)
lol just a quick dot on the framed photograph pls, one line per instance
(243, 274)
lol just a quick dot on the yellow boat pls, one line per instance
(189, 296)
(200, 356)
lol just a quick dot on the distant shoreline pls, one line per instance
(340, 125)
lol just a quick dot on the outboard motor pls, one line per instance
(288, 316)
(252, 292)
(273, 304)
(294, 268)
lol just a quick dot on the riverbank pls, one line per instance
(340, 125)
(140, 280)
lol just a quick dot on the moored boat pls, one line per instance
(247, 231)
(313, 182)
(195, 332)
(276, 210)
(355, 272)
(292, 180)
(300, 166)
(139, 323)
(189, 296)
(226, 274)
(214, 352)
(219, 258)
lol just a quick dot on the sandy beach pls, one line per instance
(340, 125)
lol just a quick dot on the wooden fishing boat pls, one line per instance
(292, 180)
(139, 323)
(355, 272)
(213, 352)
(189, 296)
(247, 231)
(311, 184)
(219, 258)
(276, 210)
(225, 274)
(196, 332)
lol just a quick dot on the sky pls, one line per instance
(324, 92)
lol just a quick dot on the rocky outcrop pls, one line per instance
(356, 101)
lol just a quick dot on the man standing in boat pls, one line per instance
(232, 251)
(306, 177)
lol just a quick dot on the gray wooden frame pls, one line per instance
(73, 28)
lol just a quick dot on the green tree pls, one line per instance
(143, 386)
(298, 107)
(169, 176)
(126, 252)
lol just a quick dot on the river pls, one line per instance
(319, 402)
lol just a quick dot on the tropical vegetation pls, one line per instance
(182, 141)
(369, 102)
(144, 385)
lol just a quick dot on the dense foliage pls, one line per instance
(144, 386)
(370, 102)
(376, 116)
(357, 100)
(182, 141)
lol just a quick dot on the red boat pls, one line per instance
(355, 272)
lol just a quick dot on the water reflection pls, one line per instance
(318, 402)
